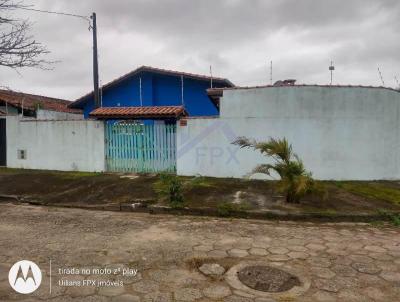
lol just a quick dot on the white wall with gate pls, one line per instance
(341, 133)
(65, 145)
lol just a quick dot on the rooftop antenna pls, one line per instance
(211, 76)
(331, 69)
(397, 81)
(270, 74)
(380, 75)
(140, 92)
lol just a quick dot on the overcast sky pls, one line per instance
(237, 37)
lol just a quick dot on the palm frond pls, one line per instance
(244, 142)
(283, 185)
(276, 147)
(264, 169)
(281, 169)
(301, 185)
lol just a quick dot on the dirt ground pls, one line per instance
(334, 262)
(91, 189)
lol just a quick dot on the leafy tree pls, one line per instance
(294, 180)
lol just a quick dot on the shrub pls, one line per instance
(170, 186)
(295, 181)
(394, 218)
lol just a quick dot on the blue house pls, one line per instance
(153, 93)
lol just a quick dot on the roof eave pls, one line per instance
(135, 117)
(180, 112)
(143, 68)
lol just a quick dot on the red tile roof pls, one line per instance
(32, 102)
(151, 112)
(154, 70)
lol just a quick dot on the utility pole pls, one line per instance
(92, 26)
(95, 63)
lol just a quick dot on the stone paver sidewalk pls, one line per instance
(343, 262)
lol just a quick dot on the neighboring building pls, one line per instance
(157, 90)
(36, 106)
(3, 139)
(340, 132)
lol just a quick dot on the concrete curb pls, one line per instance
(211, 212)
(258, 215)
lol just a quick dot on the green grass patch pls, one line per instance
(75, 175)
(198, 181)
(319, 211)
(60, 174)
(372, 190)
(226, 209)
(4, 170)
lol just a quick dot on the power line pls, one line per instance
(56, 13)
(93, 27)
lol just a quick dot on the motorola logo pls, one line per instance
(25, 277)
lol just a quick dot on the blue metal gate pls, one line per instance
(140, 148)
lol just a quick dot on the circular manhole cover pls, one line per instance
(267, 279)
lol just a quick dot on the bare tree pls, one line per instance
(17, 47)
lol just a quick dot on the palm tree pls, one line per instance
(294, 180)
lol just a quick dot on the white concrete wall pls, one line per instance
(42, 114)
(56, 145)
(340, 133)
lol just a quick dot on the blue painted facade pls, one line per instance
(158, 89)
